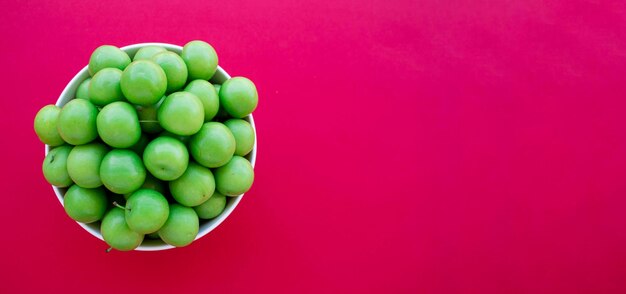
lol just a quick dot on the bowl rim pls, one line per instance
(208, 225)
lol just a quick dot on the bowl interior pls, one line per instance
(206, 226)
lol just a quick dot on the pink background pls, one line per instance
(404, 147)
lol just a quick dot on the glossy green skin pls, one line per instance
(146, 211)
(201, 60)
(77, 122)
(194, 187)
(82, 92)
(146, 53)
(211, 208)
(148, 118)
(85, 205)
(243, 133)
(122, 171)
(181, 227)
(239, 97)
(175, 70)
(107, 56)
(143, 82)
(46, 125)
(213, 145)
(207, 95)
(54, 166)
(140, 145)
(166, 158)
(116, 232)
(181, 113)
(83, 164)
(104, 87)
(234, 178)
(118, 125)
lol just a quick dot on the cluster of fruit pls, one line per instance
(149, 146)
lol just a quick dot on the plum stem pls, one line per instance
(109, 249)
(116, 204)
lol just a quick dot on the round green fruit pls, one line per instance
(143, 82)
(201, 60)
(46, 122)
(85, 205)
(107, 56)
(82, 92)
(213, 145)
(175, 69)
(243, 133)
(55, 166)
(146, 211)
(194, 187)
(181, 227)
(146, 53)
(77, 122)
(207, 95)
(118, 125)
(83, 164)
(122, 171)
(104, 87)
(116, 232)
(239, 97)
(181, 113)
(166, 158)
(211, 208)
(234, 178)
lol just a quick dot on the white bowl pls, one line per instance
(206, 226)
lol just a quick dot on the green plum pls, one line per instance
(243, 133)
(181, 227)
(104, 87)
(213, 145)
(143, 82)
(181, 113)
(234, 178)
(194, 187)
(118, 125)
(207, 95)
(55, 167)
(175, 69)
(148, 117)
(82, 92)
(46, 125)
(107, 56)
(146, 211)
(201, 60)
(239, 97)
(85, 205)
(77, 122)
(148, 52)
(83, 164)
(211, 208)
(166, 158)
(116, 232)
(122, 171)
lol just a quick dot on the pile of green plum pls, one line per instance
(149, 147)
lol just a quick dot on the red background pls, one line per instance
(404, 146)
